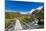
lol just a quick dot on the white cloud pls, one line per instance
(23, 12)
(10, 11)
(28, 12)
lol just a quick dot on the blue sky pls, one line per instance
(21, 6)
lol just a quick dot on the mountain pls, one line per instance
(40, 9)
(32, 11)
